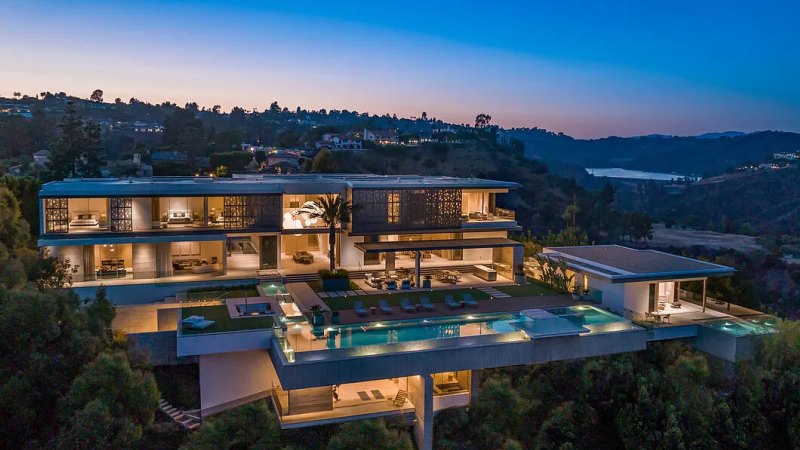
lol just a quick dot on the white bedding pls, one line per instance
(84, 220)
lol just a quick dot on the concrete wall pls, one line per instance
(231, 379)
(158, 347)
(420, 392)
(73, 253)
(146, 318)
(613, 294)
(144, 260)
(210, 343)
(637, 297)
(350, 256)
(136, 294)
(351, 365)
(142, 213)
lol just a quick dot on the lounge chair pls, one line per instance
(451, 302)
(384, 306)
(359, 308)
(197, 322)
(468, 300)
(406, 305)
(426, 304)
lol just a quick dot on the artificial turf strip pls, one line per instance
(224, 322)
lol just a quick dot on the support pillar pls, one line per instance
(704, 294)
(474, 382)
(205, 212)
(676, 292)
(517, 260)
(225, 256)
(421, 394)
(390, 257)
(417, 269)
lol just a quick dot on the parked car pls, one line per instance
(303, 257)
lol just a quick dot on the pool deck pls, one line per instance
(513, 304)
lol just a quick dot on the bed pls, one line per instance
(85, 219)
(179, 216)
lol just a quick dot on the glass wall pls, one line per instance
(293, 218)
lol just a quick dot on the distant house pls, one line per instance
(382, 137)
(347, 141)
(143, 127)
(169, 156)
(42, 157)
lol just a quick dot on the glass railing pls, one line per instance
(286, 347)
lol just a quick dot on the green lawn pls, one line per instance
(342, 303)
(219, 293)
(526, 290)
(316, 285)
(224, 323)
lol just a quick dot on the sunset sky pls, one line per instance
(588, 69)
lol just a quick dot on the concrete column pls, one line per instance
(205, 212)
(474, 381)
(676, 292)
(704, 294)
(390, 257)
(417, 270)
(420, 389)
(225, 256)
(519, 258)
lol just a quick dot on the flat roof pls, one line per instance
(622, 264)
(435, 244)
(255, 184)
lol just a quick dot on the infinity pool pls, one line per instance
(535, 323)
(744, 326)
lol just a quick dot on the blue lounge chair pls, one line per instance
(359, 308)
(197, 322)
(406, 305)
(468, 300)
(426, 304)
(384, 306)
(451, 302)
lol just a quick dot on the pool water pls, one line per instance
(567, 320)
(744, 326)
(273, 288)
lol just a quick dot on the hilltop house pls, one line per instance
(382, 137)
(331, 141)
(436, 290)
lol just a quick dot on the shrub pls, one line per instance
(337, 274)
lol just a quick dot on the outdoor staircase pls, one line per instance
(313, 243)
(300, 278)
(400, 399)
(186, 419)
(269, 276)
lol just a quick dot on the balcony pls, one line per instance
(497, 218)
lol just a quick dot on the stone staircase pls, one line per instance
(187, 419)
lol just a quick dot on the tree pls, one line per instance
(424, 116)
(44, 344)
(108, 405)
(250, 426)
(333, 210)
(78, 149)
(323, 162)
(482, 120)
(366, 435)
(97, 96)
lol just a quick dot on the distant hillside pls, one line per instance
(538, 204)
(704, 154)
(768, 201)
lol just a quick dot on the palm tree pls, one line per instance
(333, 210)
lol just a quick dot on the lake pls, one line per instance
(634, 174)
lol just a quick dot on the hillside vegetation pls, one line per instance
(683, 155)
(538, 203)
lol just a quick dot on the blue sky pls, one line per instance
(585, 68)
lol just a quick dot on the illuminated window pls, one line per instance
(393, 207)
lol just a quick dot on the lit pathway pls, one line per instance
(494, 293)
